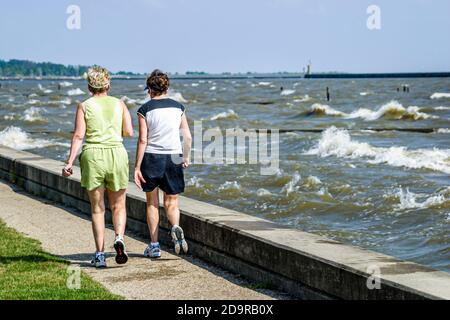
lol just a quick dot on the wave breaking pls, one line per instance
(337, 142)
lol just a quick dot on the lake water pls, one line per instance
(387, 191)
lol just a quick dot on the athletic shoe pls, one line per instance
(119, 246)
(99, 261)
(177, 234)
(153, 251)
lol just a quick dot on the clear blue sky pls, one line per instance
(231, 35)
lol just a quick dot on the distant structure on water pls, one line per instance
(377, 75)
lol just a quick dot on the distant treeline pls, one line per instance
(24, 68)
(15, 68)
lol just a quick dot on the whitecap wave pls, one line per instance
(443, 130)
(65, 84)
(176, 96)
(230, 185)
(33, 101)
(439, 95)
(322, 110)
(263, 193)
(18, 139)
(305, 98)
(43, 90)
(324, 192)
(264, 84)
(230, 114)
(409, 200)
(337, 142)
(194, 182)
(129, 101)
(392, 110)
(287, 92)
(312, 181)
(75, 92)
(291, 186)
(65, 101)
(33, 114)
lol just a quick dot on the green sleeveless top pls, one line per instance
(104, 121)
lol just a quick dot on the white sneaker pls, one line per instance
(153, 251)
(99, 261)
(121, 254)
(180, 243)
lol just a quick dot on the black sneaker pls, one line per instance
(119, 246)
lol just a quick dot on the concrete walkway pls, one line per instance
(66, 233)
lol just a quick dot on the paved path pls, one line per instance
(66, 233)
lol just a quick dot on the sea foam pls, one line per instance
(291, 186)
(18, 139)
(337, 142)
(440, 95)
(392, 110)
(75, 92)
(287, 92)
(230, 114)
(33, 114)
(65, 84)
(409, 200)
(176, 96)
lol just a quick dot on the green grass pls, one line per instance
(260, 286)
(29, 273)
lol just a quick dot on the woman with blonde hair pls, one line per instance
(104, 121)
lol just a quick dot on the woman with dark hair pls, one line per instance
(104, 121)
(161, 159)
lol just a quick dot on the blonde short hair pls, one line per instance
(98, 79)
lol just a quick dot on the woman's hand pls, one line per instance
(67, 171)
(138, 178)
(186, 163)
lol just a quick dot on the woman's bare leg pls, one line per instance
(117, 202)
(172, 210)
(97, 199)
(173, 215)
(153, 214)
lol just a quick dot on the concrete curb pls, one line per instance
(302, 264)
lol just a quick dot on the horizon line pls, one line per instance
(202, 72)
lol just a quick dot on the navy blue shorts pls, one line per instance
(163, 171)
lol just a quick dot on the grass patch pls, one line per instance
(29, 273)
(260, 286)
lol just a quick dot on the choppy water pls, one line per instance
(386, 191)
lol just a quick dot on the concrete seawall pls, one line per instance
(302, 264)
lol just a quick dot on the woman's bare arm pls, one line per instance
(127, 125)
(77, 139)
(187, 141)
(140, 151)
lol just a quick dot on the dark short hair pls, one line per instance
(158, 82)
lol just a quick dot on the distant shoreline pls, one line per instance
(256, 76)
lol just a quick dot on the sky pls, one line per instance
(230, 36)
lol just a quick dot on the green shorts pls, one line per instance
(104, 168)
